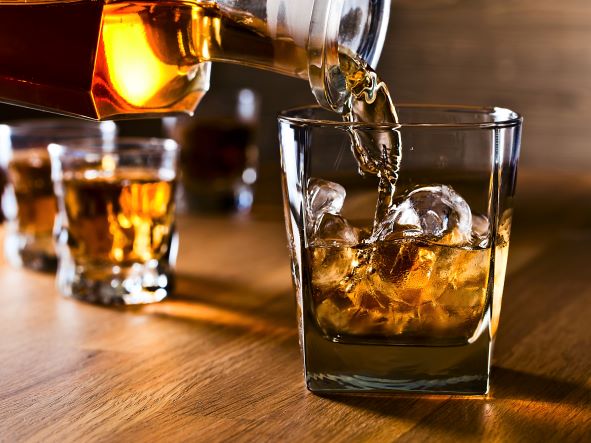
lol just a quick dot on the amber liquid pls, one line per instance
(403, 290)
(120, 217)
(378, 153)
(29, 172)
(106, 59)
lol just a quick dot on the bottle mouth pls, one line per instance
(364, 30)
(359, 31)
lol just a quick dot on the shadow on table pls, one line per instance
(509, 384)
(521, 405)
(232, 305)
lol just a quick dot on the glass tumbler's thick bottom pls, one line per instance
(332, 367)
(36, 253)
(116, 285)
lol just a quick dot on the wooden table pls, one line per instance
(220, 361)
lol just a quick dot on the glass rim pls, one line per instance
(508, 118)
(94, 145)
(44, 127)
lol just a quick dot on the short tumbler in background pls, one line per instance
(116, 222)
(219, 154)
(410, 301)
(28, 201)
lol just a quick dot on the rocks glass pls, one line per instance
(116, 224)
(28, 201)
(219, 154)
(408, 301)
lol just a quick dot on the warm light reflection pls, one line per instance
(136, 73)
(206, 34)
(216, 316)
(108, 163)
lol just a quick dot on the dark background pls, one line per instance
(533, 56)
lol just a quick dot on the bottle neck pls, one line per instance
(303, 39)
(351, 28)
(248, 34)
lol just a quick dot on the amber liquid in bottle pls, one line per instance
(106, 59)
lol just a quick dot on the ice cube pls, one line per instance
(335, 229)
(331, 265)
(324, 197)
(403, 270)
(435, 212)
(480, 230)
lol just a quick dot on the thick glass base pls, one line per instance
(341, 367)
(116, 285)
(36, 254)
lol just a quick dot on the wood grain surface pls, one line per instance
(220, 360)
